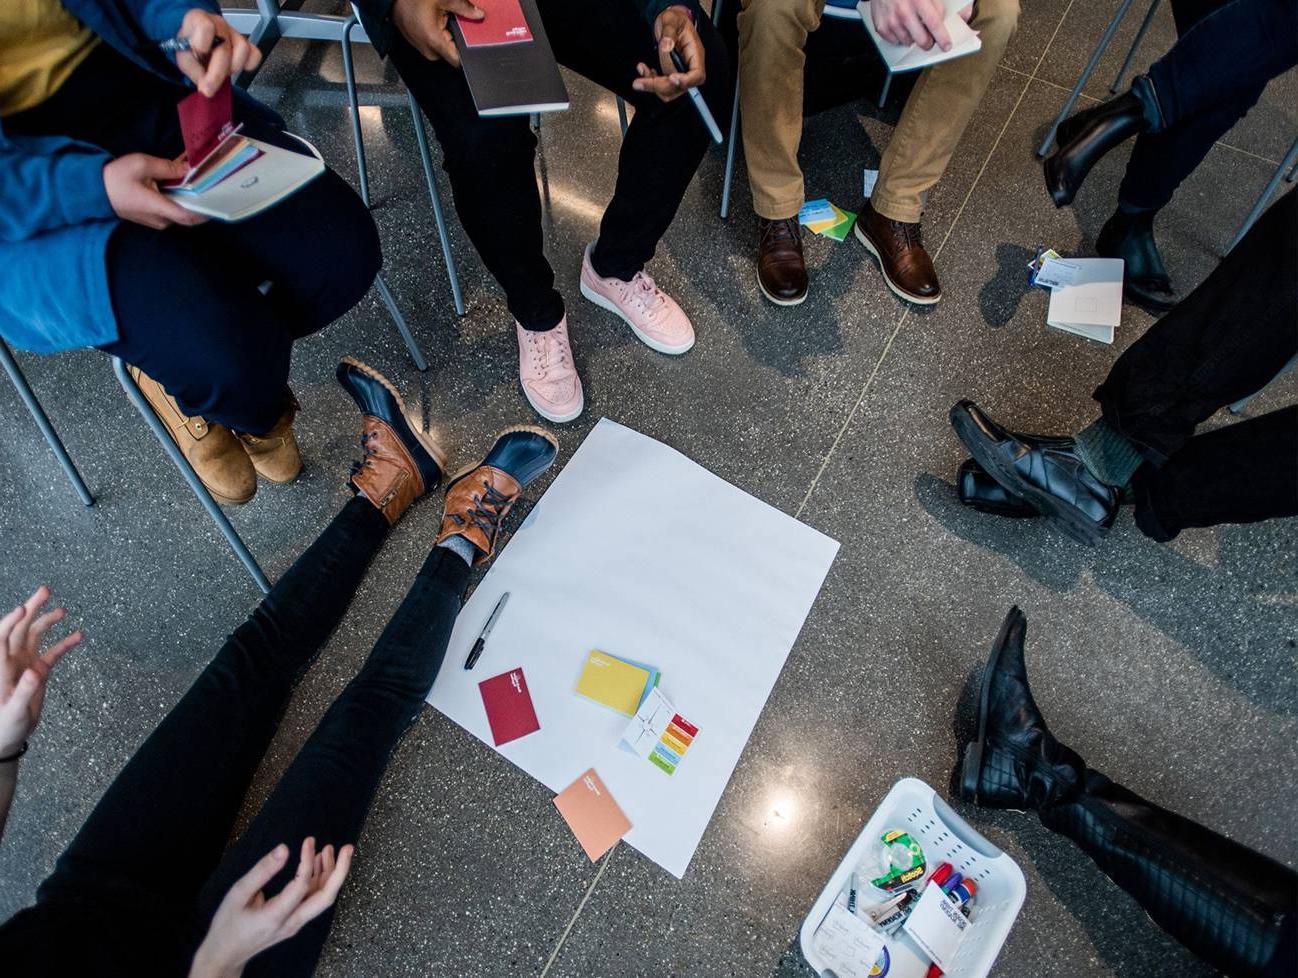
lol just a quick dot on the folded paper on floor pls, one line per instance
(636, 548)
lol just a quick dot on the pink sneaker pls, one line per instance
(651, 313)
(548, 375)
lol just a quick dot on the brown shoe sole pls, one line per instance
(534, 429)
(416, 425)
(897, 290)
(781, 302)
(136, 374)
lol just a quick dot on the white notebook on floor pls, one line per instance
(1091, 304)
(912, 57)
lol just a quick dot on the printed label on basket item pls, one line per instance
(937, 926)
(847, 945)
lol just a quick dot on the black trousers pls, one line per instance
(1223, 342)
(187, 301)
(134, 892)
(1227, 52)
(490, 162)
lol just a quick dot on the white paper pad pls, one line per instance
(848, 945)
(640, 552)
(1091, 304)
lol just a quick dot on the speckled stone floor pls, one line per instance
(1171, 668)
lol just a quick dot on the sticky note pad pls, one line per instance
(594, 816)
(815, 211)
(614, 682)
(509, 706)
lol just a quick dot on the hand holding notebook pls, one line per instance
(941, 21)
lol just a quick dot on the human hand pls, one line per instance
(674, 30)
(132, 185)
(966, 13)
(206, 63)
(912, 22)
(24, 672)
(246, 923)
(424, 24)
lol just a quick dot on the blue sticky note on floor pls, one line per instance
(816, 210)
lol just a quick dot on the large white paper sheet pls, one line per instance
(640, 552)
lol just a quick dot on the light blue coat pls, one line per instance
(55, 219)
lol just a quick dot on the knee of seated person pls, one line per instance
(485, 144)
(995, 21)
(771, 21)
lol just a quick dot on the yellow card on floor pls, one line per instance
(611, 682)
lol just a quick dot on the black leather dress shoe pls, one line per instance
(980, 491)
(1047, 473)
(1014, 761)
(1144, 278)
(1087, 136)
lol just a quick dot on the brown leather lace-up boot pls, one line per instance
(213, 451)
(781, 270)
(275, 455)
(401, 460)
(906, 266)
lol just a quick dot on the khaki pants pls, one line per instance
(772, 36)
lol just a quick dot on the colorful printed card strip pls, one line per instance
(659, 734)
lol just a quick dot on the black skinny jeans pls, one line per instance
(1223, 342)
(187, 301)
(1227, 52)
(134, 892)
(490, 162)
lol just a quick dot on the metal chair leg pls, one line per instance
(426, 159)
(887, 84)
(1131, 52)
(1105, 39)
(43, 422)
(416, 354)
(195, 484)
(1290, 163)
(349, 73)
(1243, 401)
(621, 114)
(730, 155)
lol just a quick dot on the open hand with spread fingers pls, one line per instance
(246, 923)
(24, 670)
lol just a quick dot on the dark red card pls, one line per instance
(503, 22)
(204, 122)
(509, 706)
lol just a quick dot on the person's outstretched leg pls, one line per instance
(1232, 906)
(327, 790)
(161, 827)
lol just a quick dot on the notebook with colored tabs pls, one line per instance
(619, 684)
(659, 734)
(594, 817)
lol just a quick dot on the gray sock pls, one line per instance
(1108, 455)
(462, 547)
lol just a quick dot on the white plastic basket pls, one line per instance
(916, 808)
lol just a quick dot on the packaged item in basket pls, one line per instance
(898, 864)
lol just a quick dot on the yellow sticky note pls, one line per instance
(611, 682)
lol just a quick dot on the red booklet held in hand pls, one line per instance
(503, 23)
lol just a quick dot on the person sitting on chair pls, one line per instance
(490, 162)
(1228, 339)
(92, 254)
(1227, 53)
(148, 886)
(772, 39)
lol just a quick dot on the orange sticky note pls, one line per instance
(594, 817)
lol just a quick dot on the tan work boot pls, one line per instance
(275, 454)
(214, 452)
